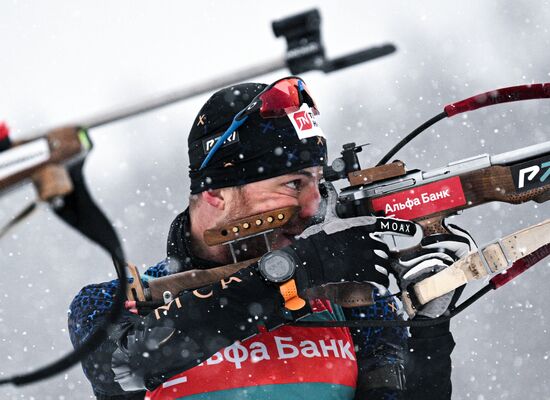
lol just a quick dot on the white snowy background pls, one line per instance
(61, 61)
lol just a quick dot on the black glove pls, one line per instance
(436, 253)
(344, 250)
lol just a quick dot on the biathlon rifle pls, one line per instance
(53, 161)
(426, 197)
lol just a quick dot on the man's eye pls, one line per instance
(294, 185)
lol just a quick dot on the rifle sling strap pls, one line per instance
(493, 258)
(193, 279)
(347, 294)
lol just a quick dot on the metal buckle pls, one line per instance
(484, 261)
(509, 261)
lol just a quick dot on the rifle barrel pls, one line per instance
(185, 93)
(521, 154)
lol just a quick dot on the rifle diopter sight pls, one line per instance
(342, 166)
(348, 167)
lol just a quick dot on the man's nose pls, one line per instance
(309, 200)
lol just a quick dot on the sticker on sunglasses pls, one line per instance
(304, 123)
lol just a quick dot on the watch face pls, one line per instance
(277, 266)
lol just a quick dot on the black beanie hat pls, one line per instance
(258, 150)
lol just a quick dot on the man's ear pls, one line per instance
(215, 198)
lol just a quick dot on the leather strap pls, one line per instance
(345, 294)
(193, 279)
(496, 257)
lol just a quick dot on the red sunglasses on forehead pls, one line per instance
(279, 99)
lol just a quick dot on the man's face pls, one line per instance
(299, 188)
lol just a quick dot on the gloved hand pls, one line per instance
(436, 253)
(344, 250)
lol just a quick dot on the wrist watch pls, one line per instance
(278, 267)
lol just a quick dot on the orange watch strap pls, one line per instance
(290, 293)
